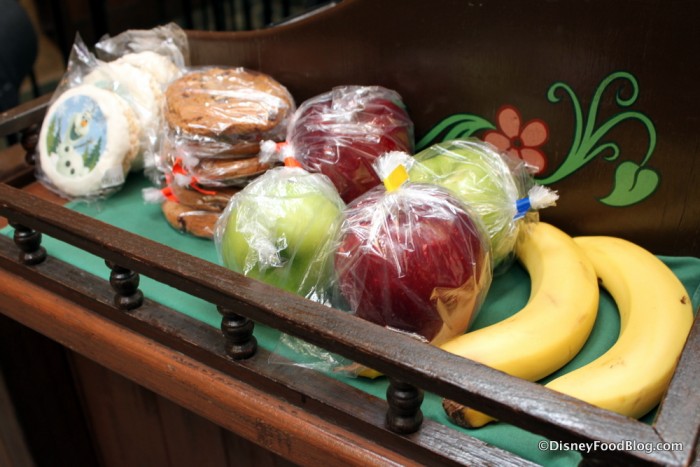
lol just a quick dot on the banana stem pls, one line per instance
(464, 416)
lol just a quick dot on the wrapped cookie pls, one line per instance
(87, 143)
(214, 121)
(216, 112)
(142, 92)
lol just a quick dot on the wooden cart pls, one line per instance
(99, 374)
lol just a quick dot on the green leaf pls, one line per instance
(456, 126)
(633, 184)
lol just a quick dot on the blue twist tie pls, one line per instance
(522, 206)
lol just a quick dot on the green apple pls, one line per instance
(279, 230)
(481, 178)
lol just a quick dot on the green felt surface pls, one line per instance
(508, 293)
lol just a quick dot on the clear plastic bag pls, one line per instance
(498, 188)
(78, 159)
(279, 229)
(408, 256)
(169, 41)
(412, 257)
(215, 119)
(341, 133)
(87, 143)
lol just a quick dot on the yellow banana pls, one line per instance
(655, 318)
(552, 327)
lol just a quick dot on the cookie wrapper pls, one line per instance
(227, 104)
(130, 77)
(168, 41)
(87, 142)
(216, 115)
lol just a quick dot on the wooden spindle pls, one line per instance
(238, 333)
(29, 243)
(404, 415)
(29, 142)
(125, 283)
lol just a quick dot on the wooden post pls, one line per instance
(29, 243)
(404, 415)
(125, 283)
(238, 332)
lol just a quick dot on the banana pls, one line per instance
(656, 315)
(552, 327)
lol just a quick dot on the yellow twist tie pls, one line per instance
(396, 178)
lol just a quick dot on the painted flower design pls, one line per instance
(518, 140)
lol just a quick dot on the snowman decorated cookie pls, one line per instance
(87, 143)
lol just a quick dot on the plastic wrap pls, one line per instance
(235, 171)
(236, 104)
(139, 91)
(492, 183)
(144, 95)
(340, 133)
(87, 143)
(169, 41)
(215, 119)
(279, 229)
(414, 258)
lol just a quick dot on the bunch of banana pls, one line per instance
(655, 319)
(552, 327)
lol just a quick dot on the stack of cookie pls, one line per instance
(215, 119)
(102, 123)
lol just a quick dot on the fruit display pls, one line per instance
(278, 228)
(414, 259)
(631, 377)
(488, 181)
(552, 327)
(341, 133)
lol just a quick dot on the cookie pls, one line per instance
(87, 142)
(228, 172)
(205, 199)
(141, 90)
(159, 66)
(176, 144)
(228, 102)
(190, 220)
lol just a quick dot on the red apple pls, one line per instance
(341, 133)
(415, 260)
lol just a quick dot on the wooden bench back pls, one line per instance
(611, 87)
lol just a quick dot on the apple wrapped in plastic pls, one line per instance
(489, 182)
(279, 229)
(340, 134)
(414, 260)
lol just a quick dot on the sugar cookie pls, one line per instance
(87, 142)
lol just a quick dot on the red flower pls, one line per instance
(522, 143)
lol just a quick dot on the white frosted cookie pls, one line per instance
(159, 66)
(87, 142)
(137, 87)
(141, 90)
